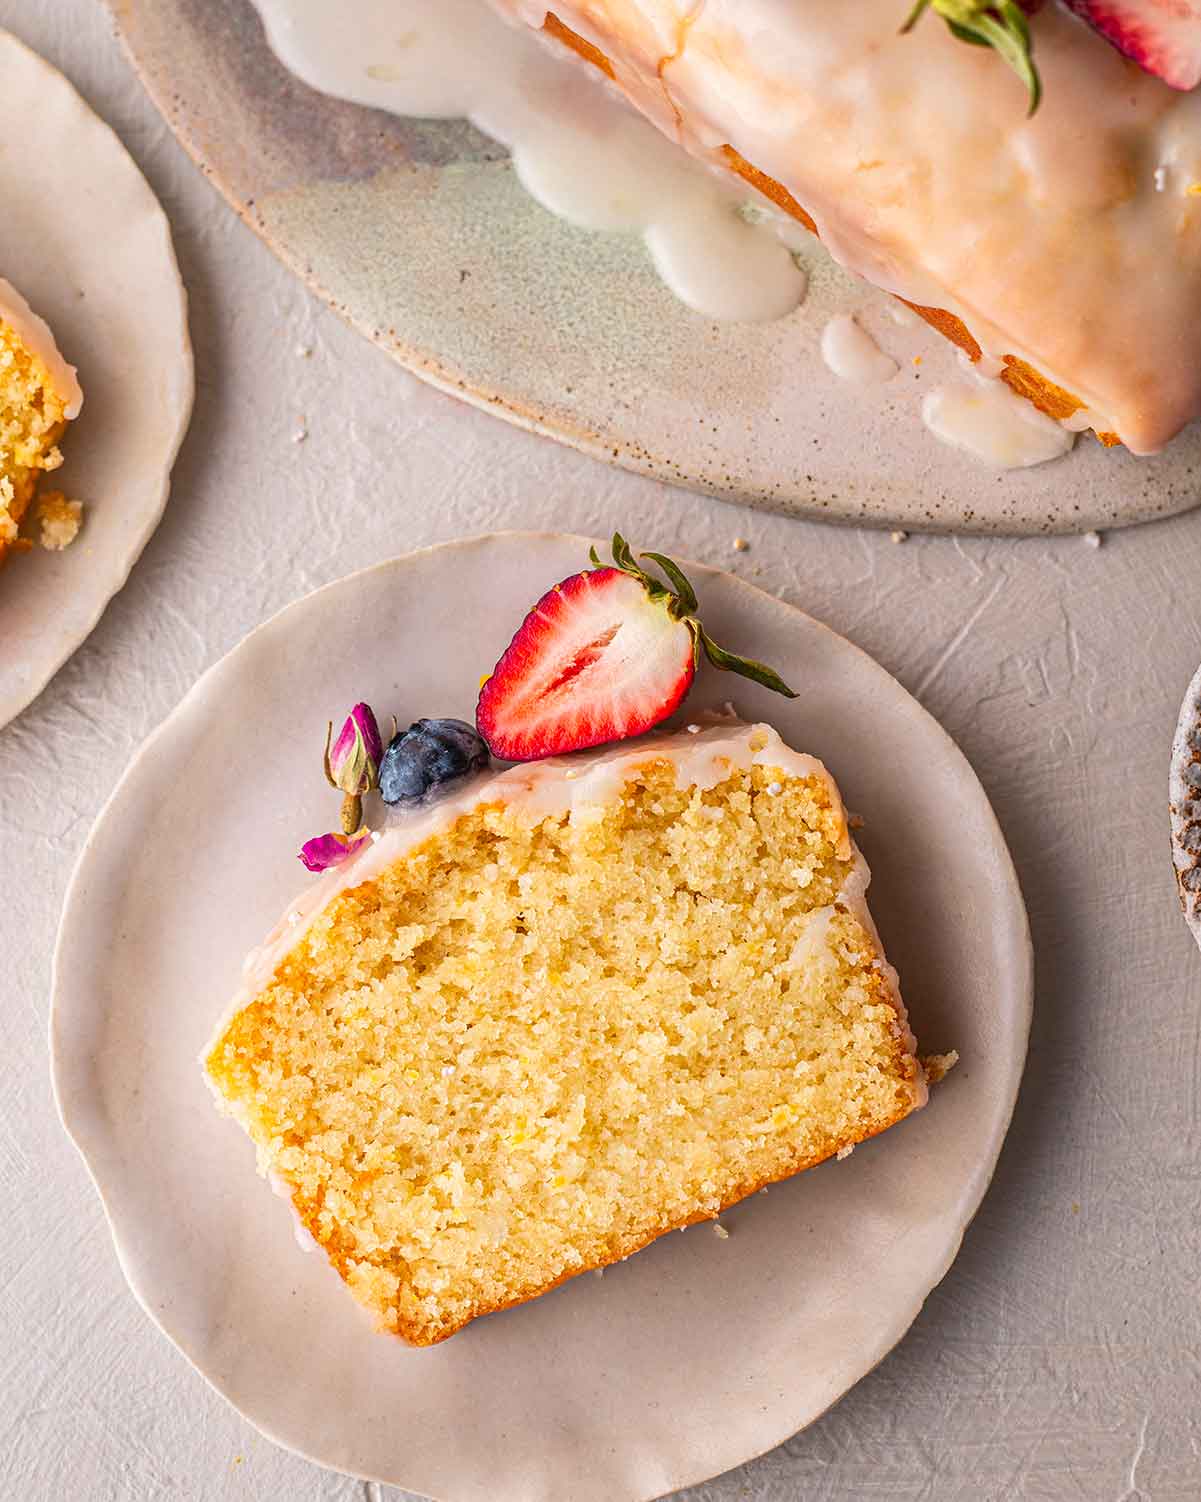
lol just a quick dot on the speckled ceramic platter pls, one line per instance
(692, 1356)
(1184, 805)
(420, 234)
(83, 238)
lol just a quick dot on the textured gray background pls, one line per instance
(1061, 1357)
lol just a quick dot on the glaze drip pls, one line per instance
(575, 145)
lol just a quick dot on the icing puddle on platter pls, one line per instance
(577, 148)
(853, 355)
(586, 156)
(982, 416)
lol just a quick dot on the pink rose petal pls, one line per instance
(326, 850)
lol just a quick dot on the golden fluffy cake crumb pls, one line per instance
(937, 1066)
(33, 415)
(538, 1041)
(60, 520)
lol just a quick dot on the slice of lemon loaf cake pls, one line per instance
(569, 1007)
(39, 395)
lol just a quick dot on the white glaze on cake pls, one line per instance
(1071, 240)
(575, 145)
(702, 757)
(34, 333)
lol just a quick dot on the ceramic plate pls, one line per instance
(692, 1356)
(83, 238)
(418, 232)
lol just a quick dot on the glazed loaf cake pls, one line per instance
(1063, 250)
(576, 1005)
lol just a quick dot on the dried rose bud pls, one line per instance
(328, 850)
(352, 764)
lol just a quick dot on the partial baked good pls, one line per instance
(532, 1026)
(1064, 249)
(39, 395)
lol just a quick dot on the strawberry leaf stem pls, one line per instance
(678, 581)
(999, 24)
(683, 605)
(747, 667)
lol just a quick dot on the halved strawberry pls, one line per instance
(1162, 36)
(602, 656)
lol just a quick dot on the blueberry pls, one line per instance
(426, 755)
